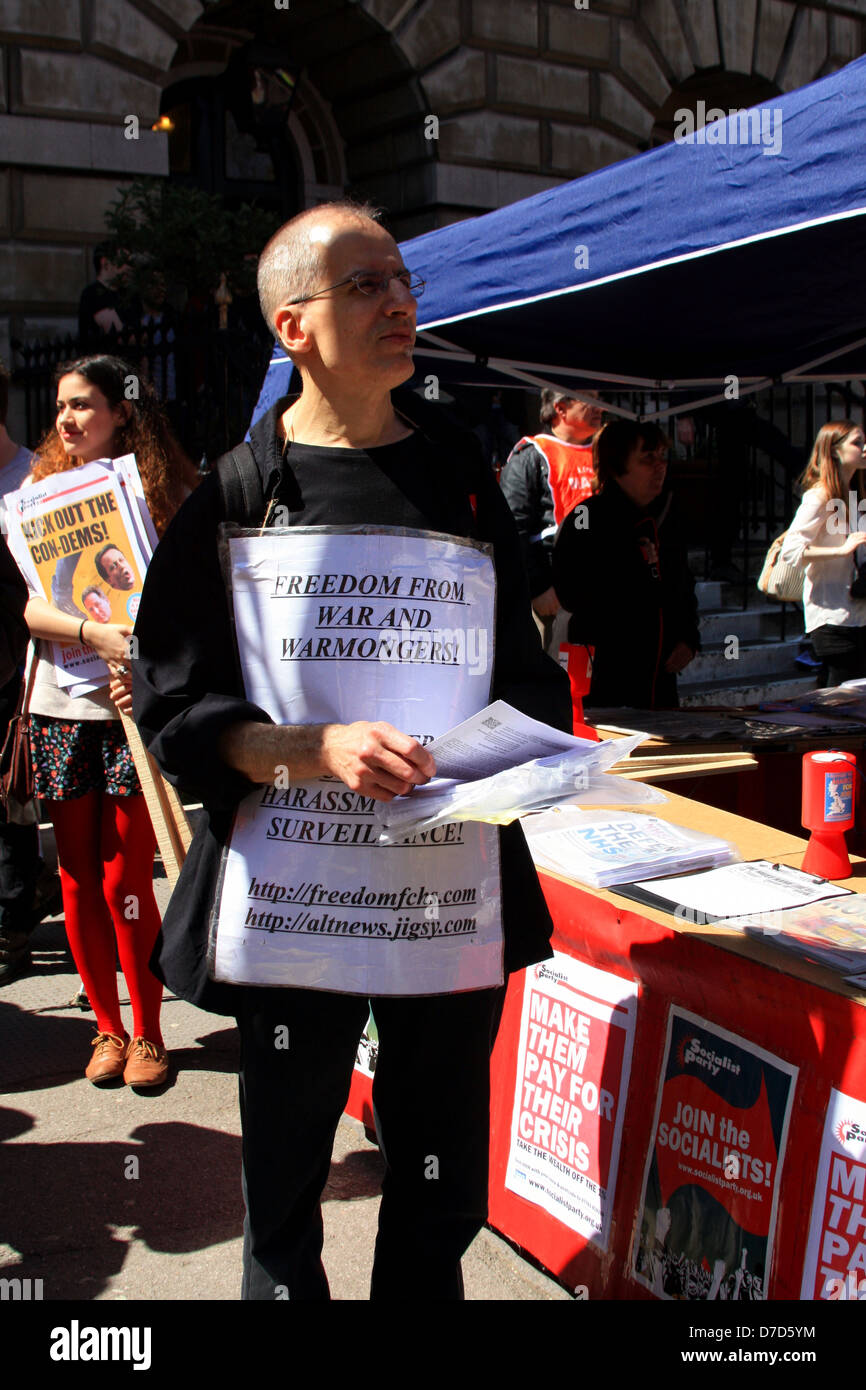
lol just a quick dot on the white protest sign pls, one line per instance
(573, 1067)
(126, 469)
(835, 1263)
(74, 537)
(337, 625)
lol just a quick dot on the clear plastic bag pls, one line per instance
(578, 777)
(603, 848)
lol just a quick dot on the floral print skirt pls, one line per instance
(73, 757)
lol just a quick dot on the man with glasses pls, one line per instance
(337, 296)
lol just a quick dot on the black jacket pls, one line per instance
(187, 687)
(526, 489)
(631, 606)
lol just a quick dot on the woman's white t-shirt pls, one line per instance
(826, 598)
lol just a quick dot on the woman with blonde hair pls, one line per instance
(84, 772)
(823, 539)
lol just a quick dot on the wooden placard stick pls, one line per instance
(662, 771)
(170, 823)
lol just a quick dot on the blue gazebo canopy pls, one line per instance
(739, 252)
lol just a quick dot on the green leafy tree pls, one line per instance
(187, 237)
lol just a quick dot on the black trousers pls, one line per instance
(843, 652)
(431, 1098)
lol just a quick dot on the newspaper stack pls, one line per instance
(60, 531)
(832, 932)
(603, 848)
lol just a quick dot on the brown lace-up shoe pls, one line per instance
(108, 1057)
(146, 1064)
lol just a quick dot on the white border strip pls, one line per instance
(642, 269)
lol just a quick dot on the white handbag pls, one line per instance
(779, 579)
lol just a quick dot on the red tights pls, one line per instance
(105, 850)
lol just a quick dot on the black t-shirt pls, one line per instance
(187, 683)
(397, 484)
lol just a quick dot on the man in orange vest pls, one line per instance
(545, 477)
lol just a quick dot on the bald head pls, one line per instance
(290, 267)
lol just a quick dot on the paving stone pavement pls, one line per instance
(109, 1194)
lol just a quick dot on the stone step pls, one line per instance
(747, 660)
(709, 594)
(733, 693)
(759, 542)
(750, 624)
(751, 565)
(717, 593)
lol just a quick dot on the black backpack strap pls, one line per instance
(242, 490)
(240, 485)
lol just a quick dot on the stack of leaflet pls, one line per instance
(848, 700)
(603, 848)
(832, 932)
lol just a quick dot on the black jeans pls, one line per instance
(843, 652)
(431, 1098)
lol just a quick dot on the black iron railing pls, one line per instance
(207, 377)
(739, 471)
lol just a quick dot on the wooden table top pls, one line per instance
(753, 841)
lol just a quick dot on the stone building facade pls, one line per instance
(437, 109)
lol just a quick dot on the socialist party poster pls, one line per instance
(712, 1175)
(574, 1057)
(835, 1265)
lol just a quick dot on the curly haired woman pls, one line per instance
(84, 771)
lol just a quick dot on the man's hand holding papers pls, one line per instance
(500, 765)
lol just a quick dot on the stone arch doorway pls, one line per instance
(338, 124)
(211, 149)
(252, 129)
(719, 90)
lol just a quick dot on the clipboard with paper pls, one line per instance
(731, 892)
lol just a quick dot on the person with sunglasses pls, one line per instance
(621, 568)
